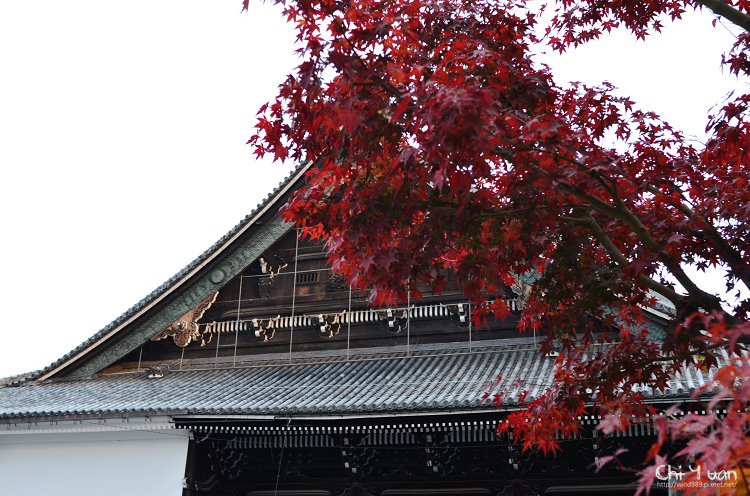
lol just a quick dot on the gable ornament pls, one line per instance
(185, 329)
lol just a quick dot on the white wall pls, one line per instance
(126, 461)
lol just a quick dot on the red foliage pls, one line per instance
(441, 148)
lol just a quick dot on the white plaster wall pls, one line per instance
(125, 462)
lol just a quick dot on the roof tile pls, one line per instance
(434, 377)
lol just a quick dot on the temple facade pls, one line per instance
(257, 371)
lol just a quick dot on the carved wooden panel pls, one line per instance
(185, 329)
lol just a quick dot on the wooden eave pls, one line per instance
(216, 267)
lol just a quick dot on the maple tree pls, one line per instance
(441, 147)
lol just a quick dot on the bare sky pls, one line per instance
(122, 143)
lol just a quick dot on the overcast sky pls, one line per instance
(122, 143)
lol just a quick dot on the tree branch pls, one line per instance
(589, 222)
(732, 257)
(723, 9)
(706, 300)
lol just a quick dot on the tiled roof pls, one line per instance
(171, 281)
(434, 378)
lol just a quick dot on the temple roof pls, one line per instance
(450, 374)
(269, 205)
(445, 377)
